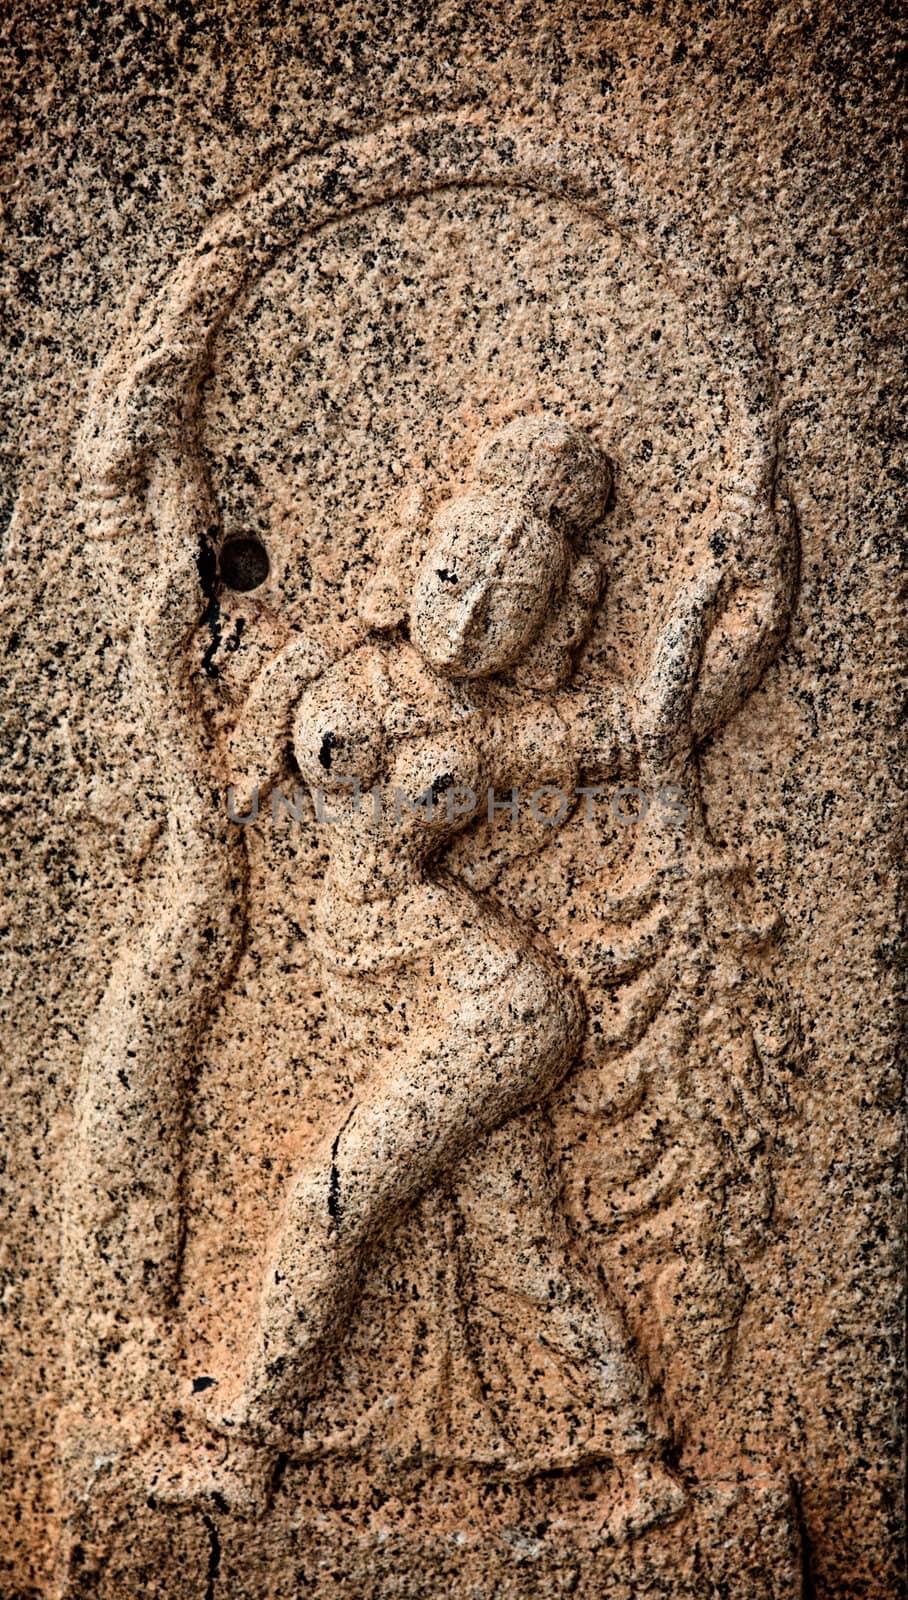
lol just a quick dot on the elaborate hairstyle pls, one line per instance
(558, 472)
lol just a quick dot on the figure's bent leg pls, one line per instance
(559, 1371)
(532, 1296)
(450, 1090)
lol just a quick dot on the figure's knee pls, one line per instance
(508, 1050)
(535, 1026)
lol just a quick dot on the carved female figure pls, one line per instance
(458, 1017)
(462, 1021)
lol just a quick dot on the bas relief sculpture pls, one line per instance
(460, 1022)
(458, 1018)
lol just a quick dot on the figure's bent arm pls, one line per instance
(722, 632)
(583, 732)
(530, 745)
(600, 729)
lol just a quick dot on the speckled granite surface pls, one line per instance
(451, 640)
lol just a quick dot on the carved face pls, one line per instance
(485, 584)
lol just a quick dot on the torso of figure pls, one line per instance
(373, 738)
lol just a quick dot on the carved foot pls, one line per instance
(650, 1496)
(239, 1480)
(249, 1418)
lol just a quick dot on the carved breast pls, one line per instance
(392, 723)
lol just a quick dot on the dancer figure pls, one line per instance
(458, 1017)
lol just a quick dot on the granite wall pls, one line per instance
(451, 639)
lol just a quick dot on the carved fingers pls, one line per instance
(749, 630)
(600, 731)
(661, 704)
(727, 625)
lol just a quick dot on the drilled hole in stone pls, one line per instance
(243, 564)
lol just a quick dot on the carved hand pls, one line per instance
(263, 728)
(661, 703)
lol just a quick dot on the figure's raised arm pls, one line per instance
(748, 629)
(723, 628)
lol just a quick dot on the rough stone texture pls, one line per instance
(416, 1204)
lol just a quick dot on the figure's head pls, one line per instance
(485, 584)
(500, 586)
(558, 471)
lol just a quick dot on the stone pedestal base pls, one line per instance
(450, 1537)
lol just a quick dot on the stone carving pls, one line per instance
(459, 1019)
(456, 1017)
